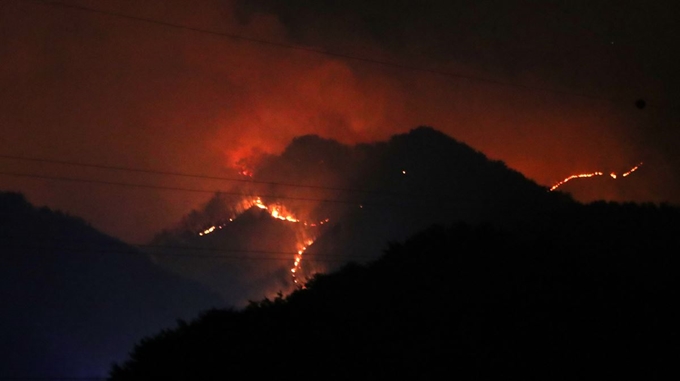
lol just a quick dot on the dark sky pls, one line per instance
(90, 87)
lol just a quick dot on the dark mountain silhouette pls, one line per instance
(73, 299)
(371, 194)
(586, 292)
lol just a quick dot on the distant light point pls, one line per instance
(403, 172)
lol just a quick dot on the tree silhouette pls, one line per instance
(582, 292)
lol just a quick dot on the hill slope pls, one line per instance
(74, 300)
(368, 195)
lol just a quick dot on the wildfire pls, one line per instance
(635, 168)
(593, 174)
(279, 212)
(298, 259)
(579, 176)
(207, 231)
(245, 172)
(244, 167)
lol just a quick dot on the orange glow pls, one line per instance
(586, 175)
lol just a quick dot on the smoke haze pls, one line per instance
(97, 88)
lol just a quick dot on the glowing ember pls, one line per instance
(208, 230)
(212, 229)
(244, 167)
(245, 172)
(298, 258)
(586, 175)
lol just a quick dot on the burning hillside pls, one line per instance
(321, 203)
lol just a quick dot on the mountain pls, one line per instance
(348, 202)
(75, 300)
(585, 292)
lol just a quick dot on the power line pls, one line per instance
(359, 203)
(53, 378)
(308, 256)
(269, 255)
(168, 188)
(197, 176)
(427, 199)
(66, 378)
(324, 52)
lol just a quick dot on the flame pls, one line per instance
(208, 230)
(635, 168)
(586, 175)
(245, 172)
(280, 212)
(245, 166)
(298, 259)
(579, 176)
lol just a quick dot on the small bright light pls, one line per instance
(403, 172)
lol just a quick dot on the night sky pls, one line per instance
(549, 87)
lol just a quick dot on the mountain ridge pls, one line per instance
(75, 299)
(370, 193)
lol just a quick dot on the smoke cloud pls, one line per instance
(92, 87)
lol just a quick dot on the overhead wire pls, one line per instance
(220, 178)
(268, 255)
(197, 176)
(55, 378)
(153, 21)
(317, 51)
(448, 202)
(270, 43)
(194, 190)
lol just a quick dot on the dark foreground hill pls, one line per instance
(589, 292)
(75, 300)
